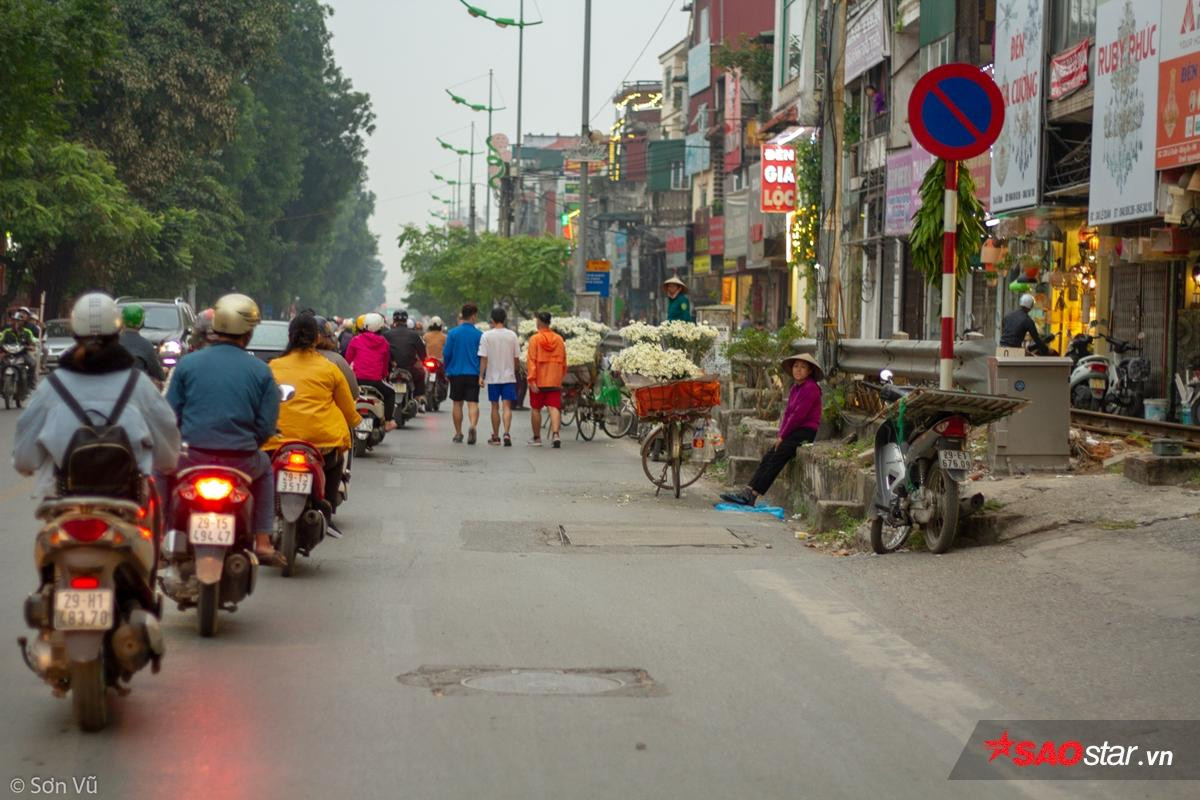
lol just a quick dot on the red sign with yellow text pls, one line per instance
(778, 179)
(1178, 141)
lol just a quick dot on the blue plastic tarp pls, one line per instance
(774, 511)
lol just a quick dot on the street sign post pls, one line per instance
(956, 112)
(597, 278)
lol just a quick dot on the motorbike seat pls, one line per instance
(402, 375)
(369, 393)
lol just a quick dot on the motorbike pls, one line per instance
(14, 377)
(301, 508)
(1090, 373)
(369, 431)
(921, 463)
(96, 613)
(1127, 394)
(437, 385)
(209, 549)
(406, 401)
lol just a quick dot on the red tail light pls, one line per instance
(1099, 367)
(953, 427)
(212, 488)
(84, 529)
(296, 462)
(430, 364)
(85, 582)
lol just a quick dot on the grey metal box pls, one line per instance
(1038, 436)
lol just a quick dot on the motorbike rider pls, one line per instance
(408, 351)
(227, 404)
(327, 347)
(435, 338)
(322, 411)
(19, 332)
(1018, 323)
(145, 357)
(345, 334)
(369, 356)
(94, 372)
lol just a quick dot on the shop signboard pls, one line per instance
(716, 235)
(1179, 86)
(905, 171)
(778, 176)
(1020, 54)
(867, 41)
(1069, 70)
(677, 248)
(697, 156)
(699, 67)
(1124, 113)
(737, 224)
(598, 276)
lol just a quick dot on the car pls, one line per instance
(269, 340)
(57, 338)
(167, 326)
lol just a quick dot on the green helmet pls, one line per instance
(133, 315)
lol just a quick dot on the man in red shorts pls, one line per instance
(545, 366)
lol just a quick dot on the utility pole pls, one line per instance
(471, 182)
(520, 88)
(487, 195)
(458, 192)
(584, 166)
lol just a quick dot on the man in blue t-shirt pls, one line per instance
(461, 357)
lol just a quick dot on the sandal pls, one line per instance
(458, 438)
(494, 441)
(507, 440)
(471, 436)
(270, 558)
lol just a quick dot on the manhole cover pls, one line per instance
(522, 682)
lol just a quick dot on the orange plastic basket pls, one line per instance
(676, 397)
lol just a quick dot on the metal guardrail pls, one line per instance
(1123, 426)
(917, 359)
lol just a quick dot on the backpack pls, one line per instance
(99, 459)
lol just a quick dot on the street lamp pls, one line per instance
(520, 24)
(470, 153)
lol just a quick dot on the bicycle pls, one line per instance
(676, 439)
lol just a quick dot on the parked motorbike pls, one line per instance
(96, 612)
(1090, 373)
(369, 432)
(406, 401)
(1127, 394)
(437, 385)
(300, 505)
(921, 464)
(209, 549)
(14, 376)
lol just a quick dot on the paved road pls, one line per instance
(769, 670)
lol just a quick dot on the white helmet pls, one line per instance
(374, 322)
(348, 324)
(436, 321)
(95, 314)
(1026, 300)
(410, 323)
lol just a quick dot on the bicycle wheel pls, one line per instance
(675, 454)
(570, 405)
(585, 420)
(619, 421)
(656, 471)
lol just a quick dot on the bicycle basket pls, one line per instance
(677, 396)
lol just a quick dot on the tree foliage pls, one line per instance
(926, 238)
(449, 268)
(756, 61)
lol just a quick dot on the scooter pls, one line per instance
(14, 379)
(300, 500)
(209, 550)
(406, 402)
(96, 613)
(1126, 396)
(1090, 373)
(369, 431)
(437, 385)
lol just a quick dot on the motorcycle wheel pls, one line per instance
(208, 605)
(89, 694)
(1081, 398)
(287, 545)
(401, 421)
(943, 525)
(891, 543)
(360, 447)
(432, 403)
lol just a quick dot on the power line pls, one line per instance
(633, 66)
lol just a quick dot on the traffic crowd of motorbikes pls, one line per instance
(189, 481)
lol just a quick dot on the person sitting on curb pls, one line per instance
(797, 426)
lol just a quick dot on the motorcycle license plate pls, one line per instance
(401, 389)
(293, 482)
(1096, 383)
(955, 459)
(211, 528)
(364, 425)
(83, 609)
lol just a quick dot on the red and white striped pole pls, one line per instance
(949, 258)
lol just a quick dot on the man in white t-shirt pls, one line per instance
(499, 354)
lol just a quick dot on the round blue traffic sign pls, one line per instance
(956, 111)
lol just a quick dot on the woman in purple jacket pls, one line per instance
(798, 426)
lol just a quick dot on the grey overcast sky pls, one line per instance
(405, 53)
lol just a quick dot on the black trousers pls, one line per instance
(778, 457)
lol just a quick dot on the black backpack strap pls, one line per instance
(123, 398)
(71, 402)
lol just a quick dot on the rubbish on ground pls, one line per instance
(774, 511)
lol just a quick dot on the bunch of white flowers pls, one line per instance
(569, 327)
(581, 350)
(636, 332)
(696, 340)
(653, 362)
(526, 328)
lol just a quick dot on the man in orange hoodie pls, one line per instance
(545, 367)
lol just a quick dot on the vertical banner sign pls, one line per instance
(778, 179)
(1179, 85)
(733, 120)
(1124, 113)
(1020, 54)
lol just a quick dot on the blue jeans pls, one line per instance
(258, 466)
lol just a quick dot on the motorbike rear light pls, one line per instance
(431, 364)
(84, 529)
(954, 427)
(214, 488)
(296, 462)
(1099, 368)
(145, 532)
(85, 582)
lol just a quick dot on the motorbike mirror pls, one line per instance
(885, 375)
(286, 392)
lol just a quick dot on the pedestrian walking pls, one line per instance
(798, 426)
(499, 355)
(461, 353)
(545, 367)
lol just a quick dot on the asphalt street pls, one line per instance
(736, 662)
